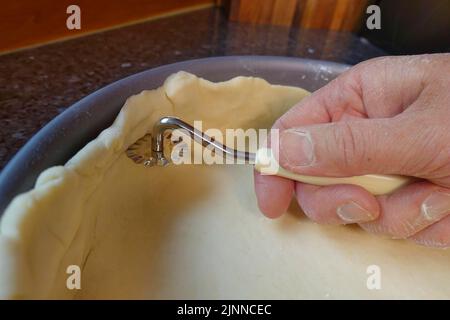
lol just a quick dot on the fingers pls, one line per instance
(410, 210)
(377, 88)
(340, 100)
(347, 148)
(375, 118)
(273, 193)
(419, 212)
(342, 148)
(353, 125)
(338, 204)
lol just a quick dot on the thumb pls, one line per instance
(354, 147)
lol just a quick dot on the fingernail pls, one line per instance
(351, 212)
(297, 147)
(436, 206)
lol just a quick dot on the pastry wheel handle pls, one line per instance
(377, 184)
(264, 160)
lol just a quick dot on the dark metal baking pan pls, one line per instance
(61, 138)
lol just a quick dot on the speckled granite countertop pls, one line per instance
(38, 84)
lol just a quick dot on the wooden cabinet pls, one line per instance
(316, 14)
(29, 22)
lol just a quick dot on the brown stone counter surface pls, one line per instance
(37, 84)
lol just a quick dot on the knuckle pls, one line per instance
(429, 140)
(400, 230)
(436, 146)
(403, 230)
(314, 214)
(346, 140)
(407, 228)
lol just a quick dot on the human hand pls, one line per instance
(388, 115)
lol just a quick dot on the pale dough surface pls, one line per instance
(191, 231)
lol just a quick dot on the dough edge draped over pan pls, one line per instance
(219, 246)
(44, 225)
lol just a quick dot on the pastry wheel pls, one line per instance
(149, 151)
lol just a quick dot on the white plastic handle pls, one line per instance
(377, 184)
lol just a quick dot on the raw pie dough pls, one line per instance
(192, 231)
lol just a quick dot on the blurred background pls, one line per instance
(407, 25)
(45, 66)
